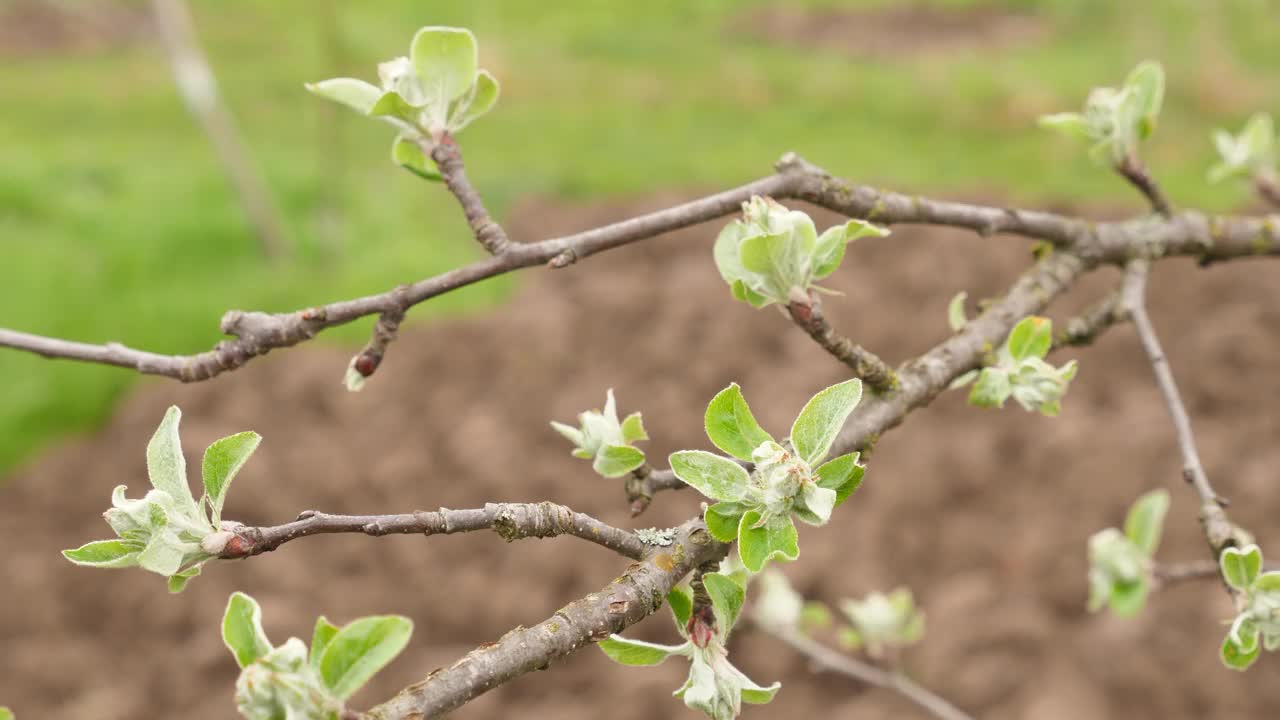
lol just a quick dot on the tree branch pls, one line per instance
(1188, 233)
(807, 313)
(1219, 531)
(258, 333)
(513, 521)
(628, 599)
(924, 378)
(824, 658)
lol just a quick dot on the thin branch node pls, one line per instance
(563, 259)
(639, 489)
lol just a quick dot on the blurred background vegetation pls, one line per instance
(116, 222)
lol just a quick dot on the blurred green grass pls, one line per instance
(116, 223)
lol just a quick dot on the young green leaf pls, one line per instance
(360, 649)
(726, 598)
(6, 713)
(775, 539)
(762, 254)
(222, 460)
(842, 474)
(963, 379)
(633, 428)
(1128, 598)
(714, 476)
(955, 312)
(105, 554)
(445, 59)
(722, 520)
(1236, 658)
(829, 250)
(637, 652)
(178, 581)
(1146, 520)
(1070, 123)
(392, 104)
(816, 427)
(1146, 83)
(681, 607)
(242, 629)
(1267, 582)
(1031, 337)
(484, 96)
(166, 466)
(992, 388)
(355, 94)
(320, 639)
(163, 554)
(731, 426)
(814, 504)
(754, 694)
(1240, 566)
(617, 460)
(407, 154)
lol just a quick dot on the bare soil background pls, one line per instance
(984, 514)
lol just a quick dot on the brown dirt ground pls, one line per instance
(984, 514)
(895, 31)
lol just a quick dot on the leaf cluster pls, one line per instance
(772, 254)
(1257, 624)
(289, 682)
(606, 441)
(1115, 120)
(756, 508)
(167, 531)
(714, 685)
(436, 91)
(1120, 563)
(1020, 370)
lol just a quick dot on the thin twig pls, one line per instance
(448, 158)
(1268, 188)
(1218, 529)
(807, 314)
(1137, 174)
(1084, 328)
(1168, 573)
(623, 602)
(385, 330)
(513, 521)
(824, 658)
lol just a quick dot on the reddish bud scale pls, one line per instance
(365, 364)
(701, 626)
(801, 312)
(236, 547)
